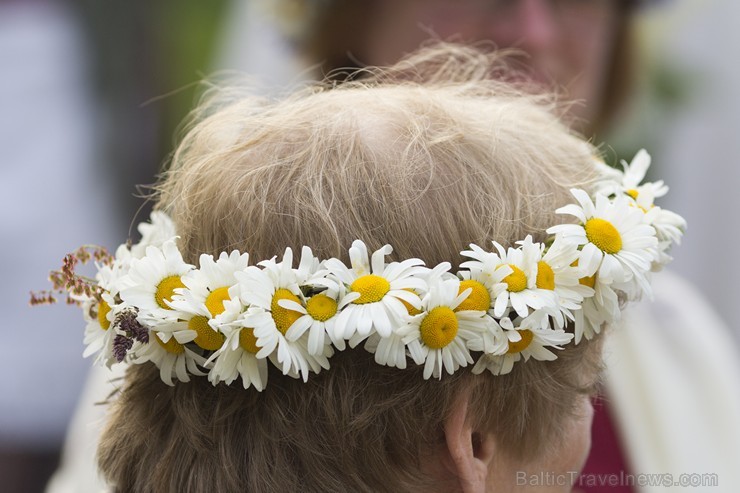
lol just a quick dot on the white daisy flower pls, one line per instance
(518, 288)
(376, 291)
(154, 233)
(319, 318)
(152, 282)
(491, 341)
(480, 286)
(388, 351)
(319, 311)
(391, 350)
(117, 270)
(669, 226)
(524, 341)
(311, 271)
(599, 307)
(99, 332)
(173, 359)
(100, 314)
(484, 276)
(613, 232)
(262, 290)
(209, 300)
(439, 336)
(630, 180)
(556, 272)
(115, 278)
(238, 358)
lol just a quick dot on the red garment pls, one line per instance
(606, 467)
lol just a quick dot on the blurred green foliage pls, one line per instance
(146, 60)
(664, 89)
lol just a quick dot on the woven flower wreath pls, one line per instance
(226, 319)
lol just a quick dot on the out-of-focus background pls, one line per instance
(91, 95)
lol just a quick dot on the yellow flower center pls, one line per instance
(171, 346)
(283, 317)
(589, 281)
(103, 310)
(215, 301)
(632, 193)
(439, 327)
(321, 307)
(207, 338)
(372, 288)
(409, 307)
(521, 344)
(517, 280)
(545, 276)
(604, 235)
(643, 209)
(478, 299)
(166, 290)
(248, 341)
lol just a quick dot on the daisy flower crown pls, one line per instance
(228, 319)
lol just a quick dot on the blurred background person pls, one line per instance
(659, 382)
(665, 83)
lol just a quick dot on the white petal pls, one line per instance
(380, 319)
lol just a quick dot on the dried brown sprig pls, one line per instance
(42, 298)
(73, 285)
(77, 287)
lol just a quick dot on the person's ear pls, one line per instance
(470, 452)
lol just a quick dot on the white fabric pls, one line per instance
(673, 381)
(78, 471)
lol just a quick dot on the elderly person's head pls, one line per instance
(428, 156)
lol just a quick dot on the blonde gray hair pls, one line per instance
(428, 155)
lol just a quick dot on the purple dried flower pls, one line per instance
(128, 323)
(141, 334)
(121, 346)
